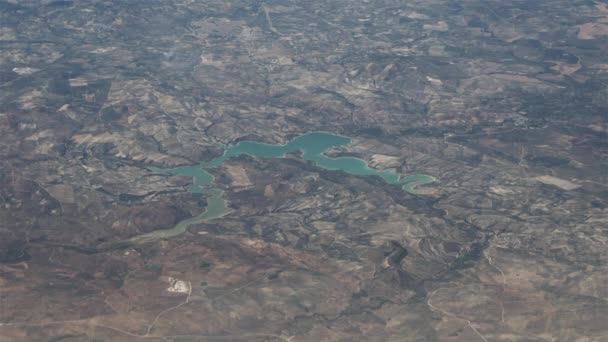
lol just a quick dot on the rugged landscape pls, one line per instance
(504, 103)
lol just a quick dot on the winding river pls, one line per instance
(312, 145)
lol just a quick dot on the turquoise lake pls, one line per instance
(312, 145)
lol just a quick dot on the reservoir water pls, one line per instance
(312, 145)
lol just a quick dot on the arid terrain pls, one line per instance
(503, 103)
